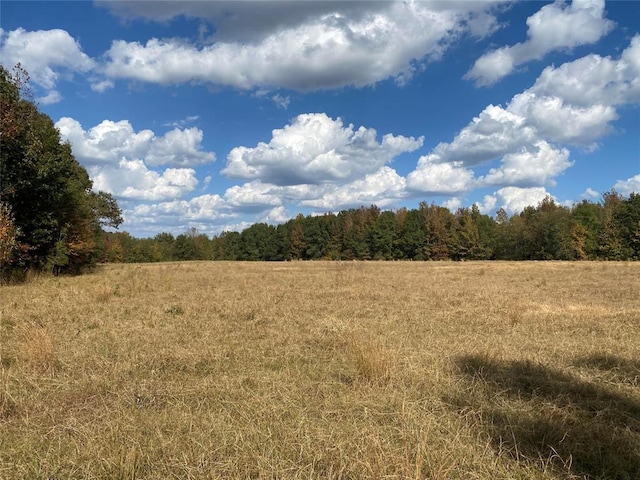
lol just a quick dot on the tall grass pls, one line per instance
(323, 370)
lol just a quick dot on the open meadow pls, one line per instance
(314, 370)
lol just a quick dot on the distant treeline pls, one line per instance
(607, 230)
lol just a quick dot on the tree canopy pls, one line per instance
(50, 219)
(608, 230)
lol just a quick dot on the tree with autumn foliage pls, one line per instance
(50, 218)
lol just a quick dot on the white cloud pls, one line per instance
(110, 141)
(45, 54)
(590, 193)
(101, 86)
(555, 26)
(628, 186)
(516, 199)
(179, 147)
(529, 167)
(207, 213)
(453, 204)
(560, 121)
(574, 104)
(131, 179)
(594, 80)
(275, 215)
(280, 101)
(383, 188)
(53, 96)
(205, 208)
(316, 149)
(252, 196)
(492, 134)
(488, 204)
(440, 178)
(297, 45)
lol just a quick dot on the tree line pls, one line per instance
(50, 218)
(606, 230)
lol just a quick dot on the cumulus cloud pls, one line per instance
(529, 167)
(210, 208)
(101, 86)
(440, 178)
(453, 204)
(46, 54)
(594, 80)
(208, 213)
(132, 180)
(488, 204)
(262, 45)
(110, 141)
(297, 45)
(628, 186)
(574, 104)
(590, 193)
(383, 188)
(516, 199)
(275, 215)
(555, 26)
(316, 149)
(241, 20)
(253, 196)
(53, 96)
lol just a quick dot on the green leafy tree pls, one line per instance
(611, 238)
(57, 215)
(412, 233)
(317, 237)
(383, 236)
(587, 220)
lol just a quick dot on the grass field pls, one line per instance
(323, 370)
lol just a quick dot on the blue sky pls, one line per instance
(217, 115)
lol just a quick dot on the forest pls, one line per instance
(607, 230)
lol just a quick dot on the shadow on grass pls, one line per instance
(615, 368)
(540, 414)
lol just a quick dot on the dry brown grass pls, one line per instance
(323, 370)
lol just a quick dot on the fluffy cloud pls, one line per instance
(297, 45)
(574, 104)
(515, 199)
(316, 149)
(628, 186)
(46, 55)
(590, 193)
(131, 179)
(208, 213)
(110, 141)
(275, 215)
(554, 27)
(440, 178)
(492, 134)
(262, 45)
(241, 20)
(53, 96)
(209, 208)
(253, 196)
(529, 167)
(383, 188)
(594, 80)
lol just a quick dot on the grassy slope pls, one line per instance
(323, 370)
